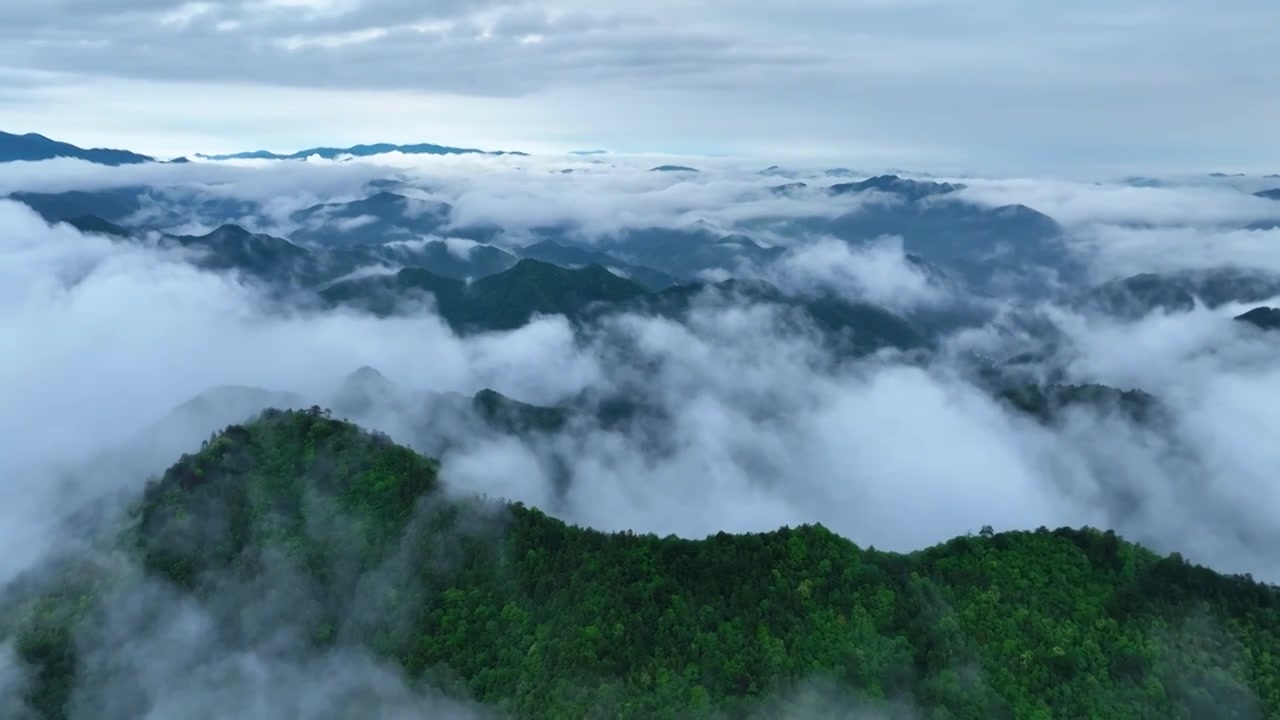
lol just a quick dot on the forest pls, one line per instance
(534, 618)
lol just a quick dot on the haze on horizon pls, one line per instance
(995, 86)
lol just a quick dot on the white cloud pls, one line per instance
(460, 247)
(354, 223)
(1120, 252)
(878, 272)
(1081, 203)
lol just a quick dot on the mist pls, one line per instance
(113, 336)
(752, 422)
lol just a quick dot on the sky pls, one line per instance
(992, 86)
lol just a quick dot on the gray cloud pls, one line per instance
(1001, 85)
(508, 49)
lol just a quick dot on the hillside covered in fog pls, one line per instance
(471, 434)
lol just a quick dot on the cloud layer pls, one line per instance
(746, 423)
(756, 425)
(1003, 86)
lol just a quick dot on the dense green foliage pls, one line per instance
(545, 620)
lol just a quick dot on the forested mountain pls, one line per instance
(574, 256)
(538, 619)
(499, 302)
(509, 299)
(992, 249)
(288, 265)
(379, 218)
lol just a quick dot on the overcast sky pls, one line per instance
(1026, 86)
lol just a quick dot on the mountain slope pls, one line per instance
(32, 146)
(910, 190)
(504, 301)
(1139, 295)
(509, 299)
(95, 224)
(687, 252)
(382, 217)
(231, 247)
(285, 265)
(574, 256)
(113, 205)
(990, 248)
(852, 327)
(1046, 403)
(544, 620)
(1266, 318)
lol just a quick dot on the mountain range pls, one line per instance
(1002, 250)
(32, 147)
(1137, 296)
(492, 289)
(332, 153)
(285, 262)
(509, 299)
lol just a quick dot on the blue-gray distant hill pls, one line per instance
(32, 147)
(1180, 291)
(1266, 318)
(509, 299)
(992, 249)
(329, 153)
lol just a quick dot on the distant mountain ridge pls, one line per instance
(510, 299)
(979, 244)
(911, 190)
(32, 147)
(1266, 318)
(1139, 295)
(330, 153)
